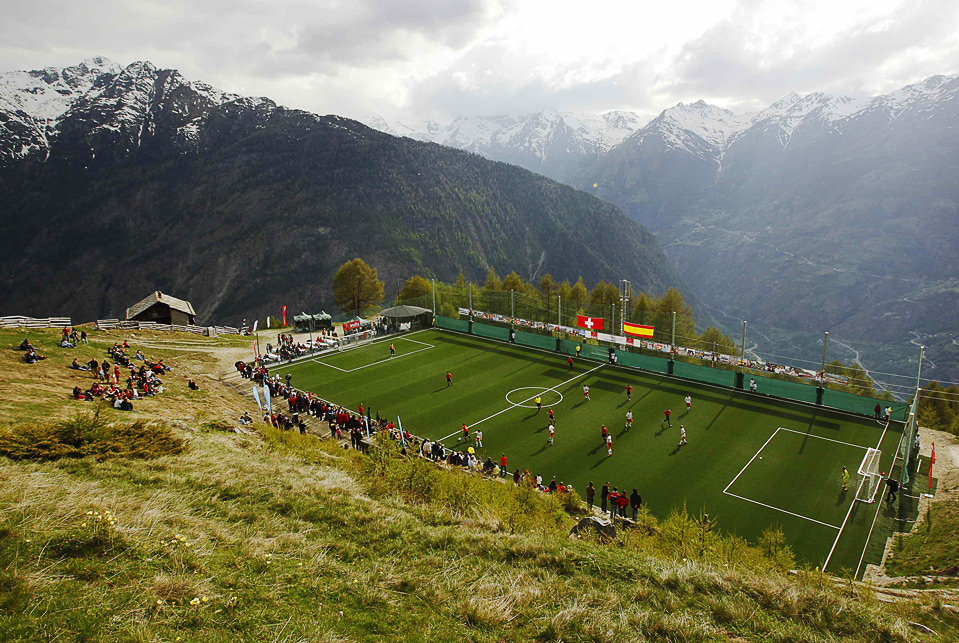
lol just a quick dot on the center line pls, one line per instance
(532, 397)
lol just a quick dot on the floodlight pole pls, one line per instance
(922, 349)
(742, 353)
(612, 321)
(559, 310)
(822, 373)
(471, 300)
(512, 306)
(434, 295)
(672, 343)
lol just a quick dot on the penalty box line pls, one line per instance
(762, 504)
(313, 357)
(532, 397)
(426, 347)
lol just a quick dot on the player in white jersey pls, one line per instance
(479, 439)
(552, 430)
(586, 392)
(629, 419)
(689, 403)
(609, 445)
(682, 435)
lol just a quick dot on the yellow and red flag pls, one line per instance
(637, 330)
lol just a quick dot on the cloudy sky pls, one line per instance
(443, 58)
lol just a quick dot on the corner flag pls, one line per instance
(932, 461)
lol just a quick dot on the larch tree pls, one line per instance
(356, 286)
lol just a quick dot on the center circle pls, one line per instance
(525, 396)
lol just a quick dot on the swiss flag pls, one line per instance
(591, 323)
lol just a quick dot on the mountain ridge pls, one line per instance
(150, 181)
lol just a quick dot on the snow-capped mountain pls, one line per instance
(819, 211)
(32, 101)
(99, 102)
(138, 179)
(548, 142)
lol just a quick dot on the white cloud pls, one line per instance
(439, 59)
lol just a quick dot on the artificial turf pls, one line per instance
(751, 461)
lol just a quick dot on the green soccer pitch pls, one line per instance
(751, 461)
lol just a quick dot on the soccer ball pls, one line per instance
(460, 439)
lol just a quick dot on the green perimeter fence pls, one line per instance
(594, 350)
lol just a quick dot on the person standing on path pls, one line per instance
(590, 496)
(604, 497)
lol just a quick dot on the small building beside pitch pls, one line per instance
(162, 309)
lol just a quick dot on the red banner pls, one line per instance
(350, 325)
(284, 314)
(589, 323)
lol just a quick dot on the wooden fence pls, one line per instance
(116, 324)
(18, 321)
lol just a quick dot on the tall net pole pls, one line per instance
(434, 296)
(742, 353)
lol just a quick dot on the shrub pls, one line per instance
(88, 435)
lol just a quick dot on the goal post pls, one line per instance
(869, 470)
(355, 340)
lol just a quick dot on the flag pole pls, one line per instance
(434, 296)
(922, 349)
(559, 310)
(471, 300)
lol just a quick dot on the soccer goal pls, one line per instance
(869, 469)
(355, 340)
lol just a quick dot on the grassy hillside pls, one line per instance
(282, 537)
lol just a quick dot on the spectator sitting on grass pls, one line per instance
(65, 343)
(25, 345)
(193, 385)
(32, 356)
(77, 366)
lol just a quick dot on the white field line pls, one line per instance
(385, 359)
(726, 490)
(756, 502)
(316, 361)
(532, 397)
(879, 508)
(848, 444)
(718, 387)
(851, 505)
(304, 359)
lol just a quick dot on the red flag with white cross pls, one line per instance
(589, 323)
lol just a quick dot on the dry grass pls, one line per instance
(279, 537)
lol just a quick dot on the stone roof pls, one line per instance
(158, 297)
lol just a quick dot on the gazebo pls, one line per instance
(415, 316)
(305, 322)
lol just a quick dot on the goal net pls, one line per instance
(869, 470)
(355, 340)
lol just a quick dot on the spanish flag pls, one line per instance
(636, 330)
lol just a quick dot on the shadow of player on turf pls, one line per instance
(596, 449)
(600, 461)
(663, 427)
(541, 429)
(676, 449)
(842, 497)
(541, 449)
